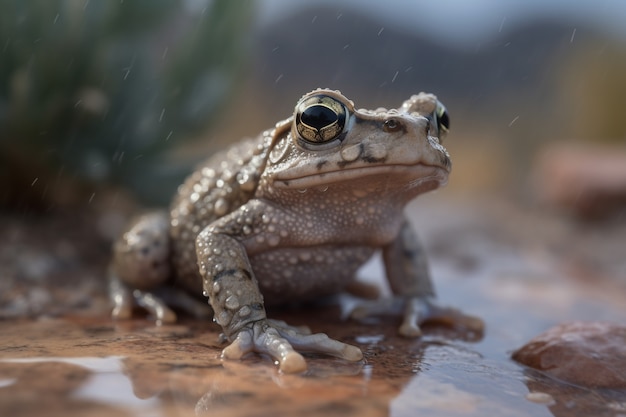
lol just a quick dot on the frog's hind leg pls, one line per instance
(409, 278)
(140, 265)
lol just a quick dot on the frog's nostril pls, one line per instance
(392, 125)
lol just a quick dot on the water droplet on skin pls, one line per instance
(231, 303)
(216, 287)
(279, 151)
(227, 175)
(221, 207)
(223, 318)
(351, 153)
(302, 191)
(246, 181)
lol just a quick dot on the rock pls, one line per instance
(588, 354)
(589, 180)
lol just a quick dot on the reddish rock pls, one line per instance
(589, 354)
(589, 180)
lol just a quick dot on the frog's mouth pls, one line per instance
(405, 176)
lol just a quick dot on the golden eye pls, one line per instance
(320, 118)
(443, 119)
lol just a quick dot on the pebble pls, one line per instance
(540, 398)
(589, 180)
(588, 354)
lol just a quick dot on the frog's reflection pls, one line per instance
(568, 400)
(330, 386)
(253, 384)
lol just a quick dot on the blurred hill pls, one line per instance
(349, 49)
(531, 84)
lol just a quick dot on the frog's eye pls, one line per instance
(320, 118)
(443, 119)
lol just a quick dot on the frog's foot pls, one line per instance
(280, 341)
(156, 302)
(418, 310)
(124, 299)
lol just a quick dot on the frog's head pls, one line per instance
(328, 142)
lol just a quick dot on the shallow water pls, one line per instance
(89, 365)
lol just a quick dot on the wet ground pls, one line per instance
(521, 270)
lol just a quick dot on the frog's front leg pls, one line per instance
(234, 294)
(408, 275)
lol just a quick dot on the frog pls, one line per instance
(290, 216)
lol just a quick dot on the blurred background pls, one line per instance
(129, 95)
(105, 107)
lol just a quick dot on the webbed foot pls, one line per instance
(125, 299)
(282, 341)
(417, 311)
(156, 302)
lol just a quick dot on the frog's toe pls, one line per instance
(239, 347)
(419, 310)
(321, 343)
(122, 308)
(155, 306)
(410, 329)
(292, 363)
(122, 300)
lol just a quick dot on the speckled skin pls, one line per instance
(292, 215)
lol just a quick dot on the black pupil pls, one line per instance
(318, 116)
